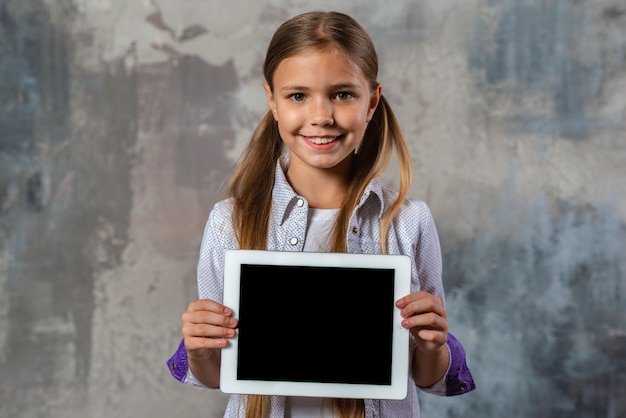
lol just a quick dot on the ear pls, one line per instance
(270, 100)
(374, 99)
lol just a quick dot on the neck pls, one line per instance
(322, 188)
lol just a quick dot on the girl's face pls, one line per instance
(322, 104)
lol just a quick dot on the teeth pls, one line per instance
(320, 141)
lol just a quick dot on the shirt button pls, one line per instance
(173, 366)
(293, 241)
(355, 230)
(463, 386)
(300, 203)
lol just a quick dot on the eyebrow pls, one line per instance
(340, 86)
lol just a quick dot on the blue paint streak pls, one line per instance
(545, 47)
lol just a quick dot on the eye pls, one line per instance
(343, 96)
(297, 97)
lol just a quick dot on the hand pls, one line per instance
(207, 325)
(425, 317)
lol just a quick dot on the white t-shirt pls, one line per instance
(319, 225)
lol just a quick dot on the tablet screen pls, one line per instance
(315, 324)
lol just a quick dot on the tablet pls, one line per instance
(316, 324)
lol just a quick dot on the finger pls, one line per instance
(424, 305)
(195, 344)
(415, 296)
(207, 317)
(429, 335)
(207, 331)
(430, 321)
(209, 305)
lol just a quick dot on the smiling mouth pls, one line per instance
(321, 140)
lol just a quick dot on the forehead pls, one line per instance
(318, 66)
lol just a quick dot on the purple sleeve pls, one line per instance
(178, 363)
(459, 379)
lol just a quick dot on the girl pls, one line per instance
(327, 108)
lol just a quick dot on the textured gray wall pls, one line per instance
(119, 122)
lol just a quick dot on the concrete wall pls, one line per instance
(119, 121)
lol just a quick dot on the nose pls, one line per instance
(321, 113)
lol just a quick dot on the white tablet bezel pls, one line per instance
(400, 336)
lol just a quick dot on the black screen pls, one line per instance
(315, 324)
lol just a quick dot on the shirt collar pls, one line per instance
(373, 194)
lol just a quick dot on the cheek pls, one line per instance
(356, 121)
(288, 119)
(354, 115)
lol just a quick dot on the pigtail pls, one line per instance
(252, 183)
(394, 138)
(257, 406)
(347, 408)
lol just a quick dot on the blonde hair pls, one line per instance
(252, 182)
